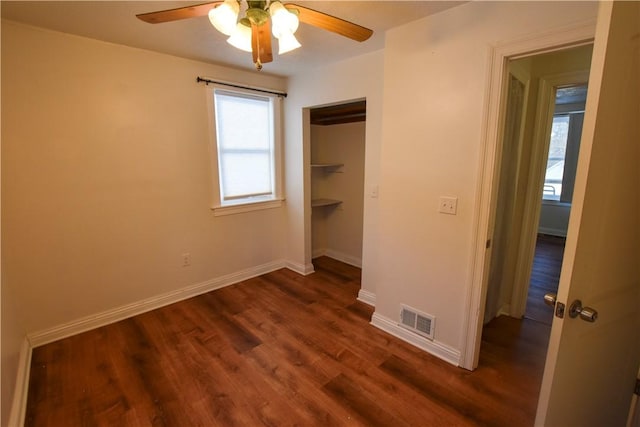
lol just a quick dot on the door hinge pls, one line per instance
(637, 390)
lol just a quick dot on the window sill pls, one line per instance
(246, 207)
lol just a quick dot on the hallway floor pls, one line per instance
(545, 276)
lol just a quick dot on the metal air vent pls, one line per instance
(420, 323)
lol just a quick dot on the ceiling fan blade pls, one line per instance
(178, 13)
(331, 23)
(261, 42)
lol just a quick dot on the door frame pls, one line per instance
(533, 197)
(503, 261)
(488, 172)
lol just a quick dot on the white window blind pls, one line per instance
(245, 145)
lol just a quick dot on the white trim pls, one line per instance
(436, 348)
(119, 313)
(367, 297)
(20, 393)
(340, 256)
(246, 207)
(347, 259)
(505, 310)
(483, 222)
(577, 34)
(574, 35)
(304, 269)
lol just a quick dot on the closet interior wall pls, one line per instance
(337, 180)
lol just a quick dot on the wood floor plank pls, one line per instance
(279, 349)
(478, 411)
(348, 392)
(545, 276)
(400, 399)
(288, 347)
(293, 383)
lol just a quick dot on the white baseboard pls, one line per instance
(436, 348)
(119, 313)
(340, 256)
(367, 297)
(304, 269)
(346, 258)
(19, 404)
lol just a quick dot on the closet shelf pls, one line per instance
(324, 202)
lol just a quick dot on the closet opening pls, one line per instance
(337, 148)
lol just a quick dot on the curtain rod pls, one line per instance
(207, 81)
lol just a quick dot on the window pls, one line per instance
(555, 162)
(564, 144)
(245, 131)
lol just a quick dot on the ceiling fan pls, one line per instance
(252, 31)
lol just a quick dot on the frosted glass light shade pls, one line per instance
(287, 42)
(241, 37)
(225, 16)
(282, 21)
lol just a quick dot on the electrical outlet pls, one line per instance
(186, 260)
(448, 205)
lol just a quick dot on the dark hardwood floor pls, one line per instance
(545, 276)
(277, 350)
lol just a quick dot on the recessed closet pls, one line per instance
(337, 181)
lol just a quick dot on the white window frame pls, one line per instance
(239, 205)
(572, 111)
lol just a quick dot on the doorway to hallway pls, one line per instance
(545, 276)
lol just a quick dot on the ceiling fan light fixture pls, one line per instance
(259, 18)
(241, 37)
(282, 20)
(287, 42)
(225, 16)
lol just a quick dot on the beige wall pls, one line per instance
(337, 231)
(356, 78)
(554, 219)
(12, 335)
(435, 83)
(106, 178)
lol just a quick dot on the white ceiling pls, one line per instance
(195, 38)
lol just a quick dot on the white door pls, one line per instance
(591, 367)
